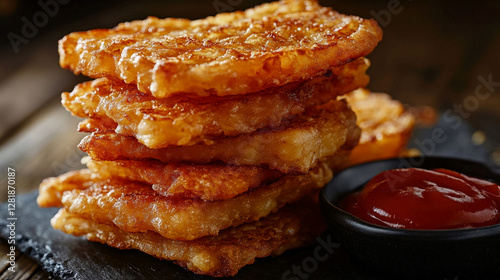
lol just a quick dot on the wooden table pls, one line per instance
(434, 53)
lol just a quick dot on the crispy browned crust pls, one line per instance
(207, 182)
(385, 126)
(99, 125)
(294, 148)
(136, 207)
(270, 45)
(158, 123)
(52, 189)
(293, 226)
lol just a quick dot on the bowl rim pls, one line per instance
(330, 209)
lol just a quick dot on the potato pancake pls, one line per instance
(385, 126)
(291, 227)
(136, 207)
(158, 123)
(208, 182)
(210, 139)
(294, 148)
(228, 54)
(51, 189)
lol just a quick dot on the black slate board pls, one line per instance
(68, 257)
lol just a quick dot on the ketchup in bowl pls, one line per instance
(414, 198)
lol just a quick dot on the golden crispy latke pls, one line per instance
(207, 182)
(158, 123)
(291, 227)
(136, 207)
(52, 189)
(231, 53)
(385, 126)
(103, 125)
(294, 148)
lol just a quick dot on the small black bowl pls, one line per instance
(418, 252)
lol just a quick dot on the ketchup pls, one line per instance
(415, 198)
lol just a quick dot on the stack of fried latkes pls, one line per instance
(210, 139)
